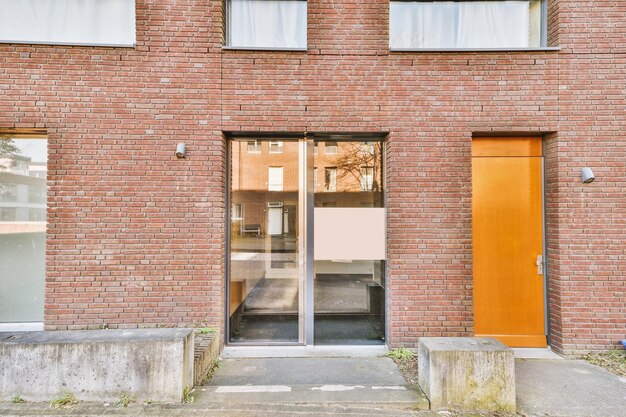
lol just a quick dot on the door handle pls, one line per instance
(539, 264)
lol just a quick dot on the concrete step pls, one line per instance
(366, 396)
(372, 381)
(228, 409)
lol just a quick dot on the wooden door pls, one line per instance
(507, 232)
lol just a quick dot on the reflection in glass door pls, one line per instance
(265, 274)
(349, 242)
(307, 242)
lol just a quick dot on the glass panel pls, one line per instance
(264, 270)
(347, 168)
(465, 24)
(23, 168)
(267, 23)
(349, 288)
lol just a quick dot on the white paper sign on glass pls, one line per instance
(349, 233)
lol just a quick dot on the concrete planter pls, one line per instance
(97, 365)
(467, 373)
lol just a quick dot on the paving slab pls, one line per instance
(572, 388)
(374, 381)
(308, 371)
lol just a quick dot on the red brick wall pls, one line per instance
(136, 236)
(587, 224)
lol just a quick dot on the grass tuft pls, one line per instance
(401, 354)
(612, 360)
(187, 397)
(126, 399)
(207, 330)
(64, 401)
(17, 399)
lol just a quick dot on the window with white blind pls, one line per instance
(276, 147)
(266, 24)
(68, 22)
(275, 179)
(466, 24)
(330, 148)
(254, 146)
(330, 179)
(367, 178)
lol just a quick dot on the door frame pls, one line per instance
(546, 272)
(305, 221)
(546, 300)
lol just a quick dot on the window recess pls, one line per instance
(68, 22)
(494, 24)
(266, 24)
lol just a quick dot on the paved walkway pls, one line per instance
(568, 388)
(307, 387)
(373, 381)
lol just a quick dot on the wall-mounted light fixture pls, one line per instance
(587, 175)
(180, 150)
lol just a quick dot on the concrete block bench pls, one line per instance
(97, 365)
(467, 373)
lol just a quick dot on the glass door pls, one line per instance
(307, 242)
(349, 243)
(265, 286)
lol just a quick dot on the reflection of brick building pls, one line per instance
(23, 192)
(345, 174)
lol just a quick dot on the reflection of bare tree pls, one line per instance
(8, 152)
(355, 157)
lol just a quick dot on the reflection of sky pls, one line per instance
(36, 149)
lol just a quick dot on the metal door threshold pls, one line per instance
(344, 351)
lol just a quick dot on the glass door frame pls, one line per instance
(305, 246)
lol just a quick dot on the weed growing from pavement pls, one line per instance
(207, 330)
(64, 401)
(401, 354)
(187, 397)
(126, 399)
(612, 360)
(17, 399)
(217, 364)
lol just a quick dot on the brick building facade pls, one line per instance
(138, 238)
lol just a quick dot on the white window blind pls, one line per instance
(367, 178)
(254, 146)
(68, 22)
(276, 147)
(267, 23)
(330, 179)
(275, 179)
(465, 24)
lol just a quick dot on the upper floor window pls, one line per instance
(68, 22)
(276, 147)
(465, 24)
(330, 179)
(330, 148)
(266, 24)
(254, 146)
(367, 178)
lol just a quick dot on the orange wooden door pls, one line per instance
(507, 229)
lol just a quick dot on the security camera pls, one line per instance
(180, 150)
(587, 175)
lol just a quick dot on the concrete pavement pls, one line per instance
(346, 387)
(572, 388)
